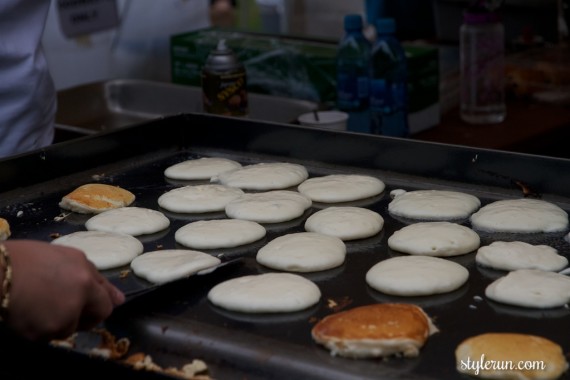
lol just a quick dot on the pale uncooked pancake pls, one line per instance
(201, 168)
(266, 293)
(434, 239)
(500, 350)
(94, 198)
(520, 215)
(416, 276)
(160, 267)
(337, 188)
(268, 207)
(531, 288)
(104, 249)
(5, 231)
(219, 233)
(346, 223)
(434, 205)
(377, 330)
(199, 198)
(302, 252)
(264, 176)
(129, 220)
(520, 255)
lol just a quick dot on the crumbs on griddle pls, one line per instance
(124, 273)
(527, 191)
(195, 370)
(61, 216)
(110, 347)
(339, 303)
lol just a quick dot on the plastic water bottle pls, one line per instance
(352, 66)
(482, 53)
(389, 82)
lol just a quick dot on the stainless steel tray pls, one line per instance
(99, 106)
(177, 323)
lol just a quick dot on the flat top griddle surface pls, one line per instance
(176, 323)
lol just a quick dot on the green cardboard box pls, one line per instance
(300, 68)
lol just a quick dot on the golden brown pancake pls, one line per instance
(4, 229)
(94, 198)
(500, 356)
(375, 331)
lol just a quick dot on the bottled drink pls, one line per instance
(352, 65)
(389, 82)
(482, 52)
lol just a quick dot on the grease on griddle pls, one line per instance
(526, 189)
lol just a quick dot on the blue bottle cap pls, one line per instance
(386, 25)
(352, 21)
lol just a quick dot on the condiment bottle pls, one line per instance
(224, 82)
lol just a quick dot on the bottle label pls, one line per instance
(387, 97)
(482, 71)
(225, 94)
(352, 93)
(388, 104)
(380, 99)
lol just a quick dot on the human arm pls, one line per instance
(54, 291)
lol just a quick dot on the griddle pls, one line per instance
(176, 323)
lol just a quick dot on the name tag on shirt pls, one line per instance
(81, 17)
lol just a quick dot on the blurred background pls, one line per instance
(138, 47)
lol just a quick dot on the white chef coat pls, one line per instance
(27, 94)
(138, 48)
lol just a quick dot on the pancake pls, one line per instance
(516, 255)
(531, 288)
(200, 168)
(5, 231)
(520, 216)
(94, 198)
(199, 198)
(265, 293)
(490, 355)
(337, 188)
(105, 250)
(346, 223)
(416, 276)
(264, 176)
(434, 205)
(377, 330)
(219, 233)
(129, 220)
(160, 267)
(439, 239)
(274, 206)
(302, 252)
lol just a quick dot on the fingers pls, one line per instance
(100, 303)
(117, 296)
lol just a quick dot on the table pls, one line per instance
(529, 127)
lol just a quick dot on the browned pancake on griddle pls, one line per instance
(510, 356)
(4, 229)
(376, 330)
(94, 198)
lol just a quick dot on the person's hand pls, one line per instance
(56, 291)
